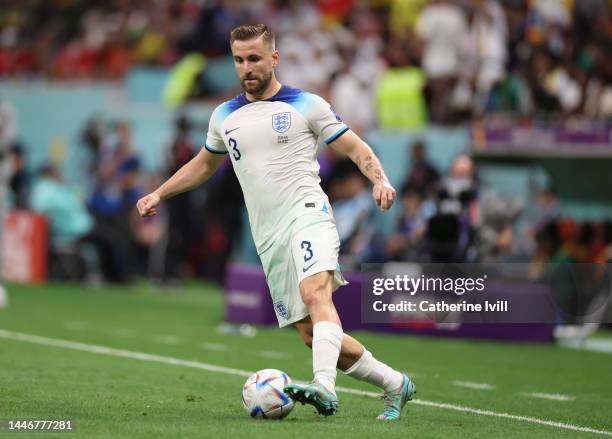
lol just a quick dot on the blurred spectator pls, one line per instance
(93, 139)
(13, 176)
(547, 208)
(603, 248)
(423, 176)
(589, 16)
(443, 28)
(19, 182)
(8, 127)
(335, 10)
(341, 168)
(351, 199)
(178, 208)
(112, 201)
(488, 41)
(548, 236)
(495, 235)
(68, 219)
(347, 88)
(406, 243)
(560, 83)
(450, 232)
(548, 243)
(365, 39)
(210, 26)
(545, 94)
(124, 150)
(399, 92)
(149, 234)
(564, 240)
(329, 160)
(222, 227)
(403, 16)
(310, 56)
(186, 80)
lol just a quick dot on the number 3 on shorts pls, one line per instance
(306, 246)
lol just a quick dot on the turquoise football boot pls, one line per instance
(395, 401)
(314, 394)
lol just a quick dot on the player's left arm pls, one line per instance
(362, 155)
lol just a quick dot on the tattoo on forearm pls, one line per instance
(367, 160)
(369, 164)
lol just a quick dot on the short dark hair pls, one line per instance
(247, 32)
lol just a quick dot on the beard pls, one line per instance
(257, 88)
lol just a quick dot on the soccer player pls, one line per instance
(271, 133)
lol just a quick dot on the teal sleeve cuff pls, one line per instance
(340, 132)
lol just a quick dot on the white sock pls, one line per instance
(326, 344)
(372, 371)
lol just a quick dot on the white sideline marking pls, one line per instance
(118, 352)
(551, 396)
(273, 355)
(471, 385)
(121, 332)
(103, 350)
(215, 347)
(593, 345)
(596, 345)
(75, 325)
(459, 408)
(167, 339)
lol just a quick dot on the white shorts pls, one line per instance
(306, 246)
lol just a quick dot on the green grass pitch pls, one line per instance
(116, 396)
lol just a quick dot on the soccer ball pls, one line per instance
(263, 395)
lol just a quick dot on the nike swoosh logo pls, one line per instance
(229, 131)
(305, 269)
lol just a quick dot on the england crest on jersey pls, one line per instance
(281, 122)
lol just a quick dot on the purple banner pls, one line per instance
(578, 138)
(248, 301)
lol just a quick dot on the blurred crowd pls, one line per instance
(443, 215)
(95, 233)
(406, 62)
(412, 60)
(450, 216)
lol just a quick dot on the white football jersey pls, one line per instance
(272, 144)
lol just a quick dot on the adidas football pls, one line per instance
(263, 395)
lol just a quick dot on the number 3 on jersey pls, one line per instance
(234, 146)
(307, 247)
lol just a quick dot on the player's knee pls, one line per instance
(315, 294)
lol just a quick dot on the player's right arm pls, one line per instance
(192, 174)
